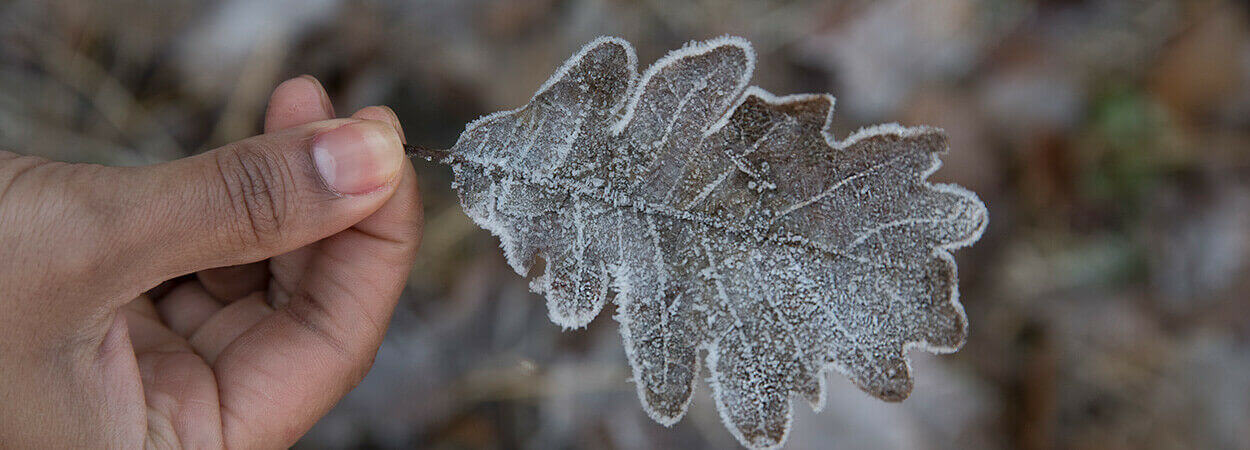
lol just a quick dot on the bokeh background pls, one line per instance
(1108, 299)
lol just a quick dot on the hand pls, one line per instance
(300, 241)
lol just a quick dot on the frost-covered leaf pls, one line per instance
(732, 231)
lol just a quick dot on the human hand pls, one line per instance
(295, 278)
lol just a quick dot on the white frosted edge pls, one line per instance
(623, 290)
(774, 100)
(570, 321)
(692, 48)
(577, 57)
(632, 67)
(976, 201)
(713, 357)
(884, 129)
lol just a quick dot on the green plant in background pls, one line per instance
(1129, 140)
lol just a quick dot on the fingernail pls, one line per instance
(357, 158)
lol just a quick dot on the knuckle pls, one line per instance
(315, 318)
(312, 316)
(259, 186)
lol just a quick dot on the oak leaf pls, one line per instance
(731, 230)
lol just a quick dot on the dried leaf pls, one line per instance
(728, 226)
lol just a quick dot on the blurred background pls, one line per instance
(1110, 139)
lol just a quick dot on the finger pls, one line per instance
(295, 102)
(308, 354)
(227, 284)
(382, 113)
(220, 330)
(187, 307)
(142, 305)
(286, 271)
(245, 202)
(295, 262)
(230, 283)
(148, 334)
(178, 388)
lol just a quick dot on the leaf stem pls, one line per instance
(427, 153)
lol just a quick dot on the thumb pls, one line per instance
(256, 198)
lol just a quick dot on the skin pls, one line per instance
(291, 286)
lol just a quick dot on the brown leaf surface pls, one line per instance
(732, 231)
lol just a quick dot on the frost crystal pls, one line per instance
(729, 227)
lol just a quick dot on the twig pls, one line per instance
(428, 154)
